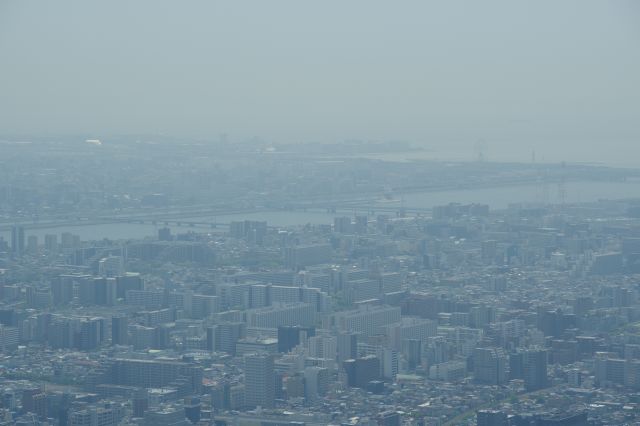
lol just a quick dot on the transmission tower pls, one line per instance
(480, 151)
(562, 189)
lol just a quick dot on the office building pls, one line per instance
(224, 336)
(51, 243)
(120, 330)
(361, 371)
(291, 336)
(490, 366)
(347, 346)
(535, 369)
(17, 240)
(260, 380)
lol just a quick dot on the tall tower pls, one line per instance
(17, 240)
(259, 380)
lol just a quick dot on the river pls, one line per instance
(497, 198)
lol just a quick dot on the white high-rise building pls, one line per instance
(367, 320)
(9, 338)
(316, 382)
(323, 347)
(410, 328)
(302, 314)
(111, 266)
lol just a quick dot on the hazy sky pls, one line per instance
(518, 74)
